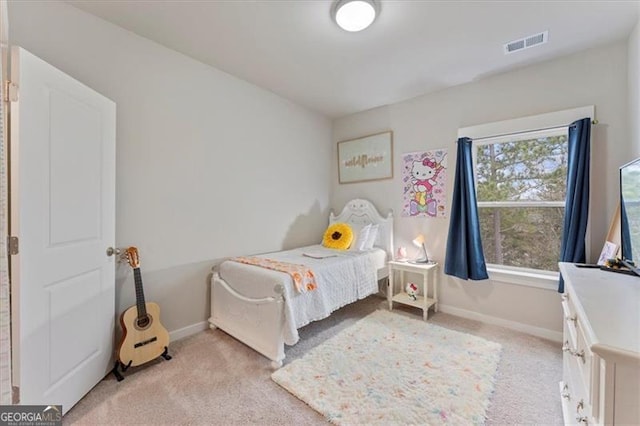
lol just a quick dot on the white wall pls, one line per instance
(595, 77)
(634, 91)
(208, 165)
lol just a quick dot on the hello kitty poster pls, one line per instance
(424, 179)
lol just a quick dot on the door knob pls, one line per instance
(111, 251)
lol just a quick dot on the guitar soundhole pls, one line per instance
(144, 322)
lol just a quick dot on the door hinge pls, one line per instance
(10, 91)
(12, 246)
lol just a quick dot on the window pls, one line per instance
(521, 188)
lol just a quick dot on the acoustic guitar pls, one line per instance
(144, 337)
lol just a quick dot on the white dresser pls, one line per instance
(601, 349)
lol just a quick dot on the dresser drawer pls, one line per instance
(570, 320)
(584, 358)
(578, 357)
(576, 407)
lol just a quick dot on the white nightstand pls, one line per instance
(428, 271)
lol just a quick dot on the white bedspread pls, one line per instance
(343, 277)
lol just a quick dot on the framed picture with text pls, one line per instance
(366, 158)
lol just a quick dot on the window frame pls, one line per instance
(520, 136)
(526, 127)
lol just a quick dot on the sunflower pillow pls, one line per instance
(338, 236)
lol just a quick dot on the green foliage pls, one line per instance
(529, 170)
(529, 236)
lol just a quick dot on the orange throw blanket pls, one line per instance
(302, 276)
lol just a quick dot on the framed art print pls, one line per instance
(366, 158)
(424, 176)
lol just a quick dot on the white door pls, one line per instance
(63, 211)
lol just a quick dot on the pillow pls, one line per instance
(360, 240)
(372, 237)
(338, 236)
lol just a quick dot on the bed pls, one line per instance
(261, 308)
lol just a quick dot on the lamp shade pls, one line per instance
(419, 242)
(355, 15)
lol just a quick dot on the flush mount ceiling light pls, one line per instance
(354, 15)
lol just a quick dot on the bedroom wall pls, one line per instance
(634, 90)
(208, 165)
(594, 77)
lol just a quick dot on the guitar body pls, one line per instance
(144, 338)
(142, 341)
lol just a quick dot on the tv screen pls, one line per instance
(630, 214)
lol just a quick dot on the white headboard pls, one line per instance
(361, 212)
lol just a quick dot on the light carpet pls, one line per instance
(390, 369)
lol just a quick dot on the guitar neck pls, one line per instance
(140, 303)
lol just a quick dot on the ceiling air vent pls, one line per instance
(526, 42)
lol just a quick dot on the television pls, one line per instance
(630, 215)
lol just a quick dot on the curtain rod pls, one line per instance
(594, 122)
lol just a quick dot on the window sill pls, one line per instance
(527, 278)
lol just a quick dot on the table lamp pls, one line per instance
(419, 242)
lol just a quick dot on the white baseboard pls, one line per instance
(556, 336)
(545, 333)
(187, 331)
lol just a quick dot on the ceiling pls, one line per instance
(295, 50)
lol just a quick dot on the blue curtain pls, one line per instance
(464, 257)
(576, 210)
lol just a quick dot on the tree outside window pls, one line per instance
(521, 189)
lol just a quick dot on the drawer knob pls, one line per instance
(567, 348)
(565, 392)
(579, 418)
(578, 354)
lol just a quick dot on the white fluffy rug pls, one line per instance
(390, 369)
